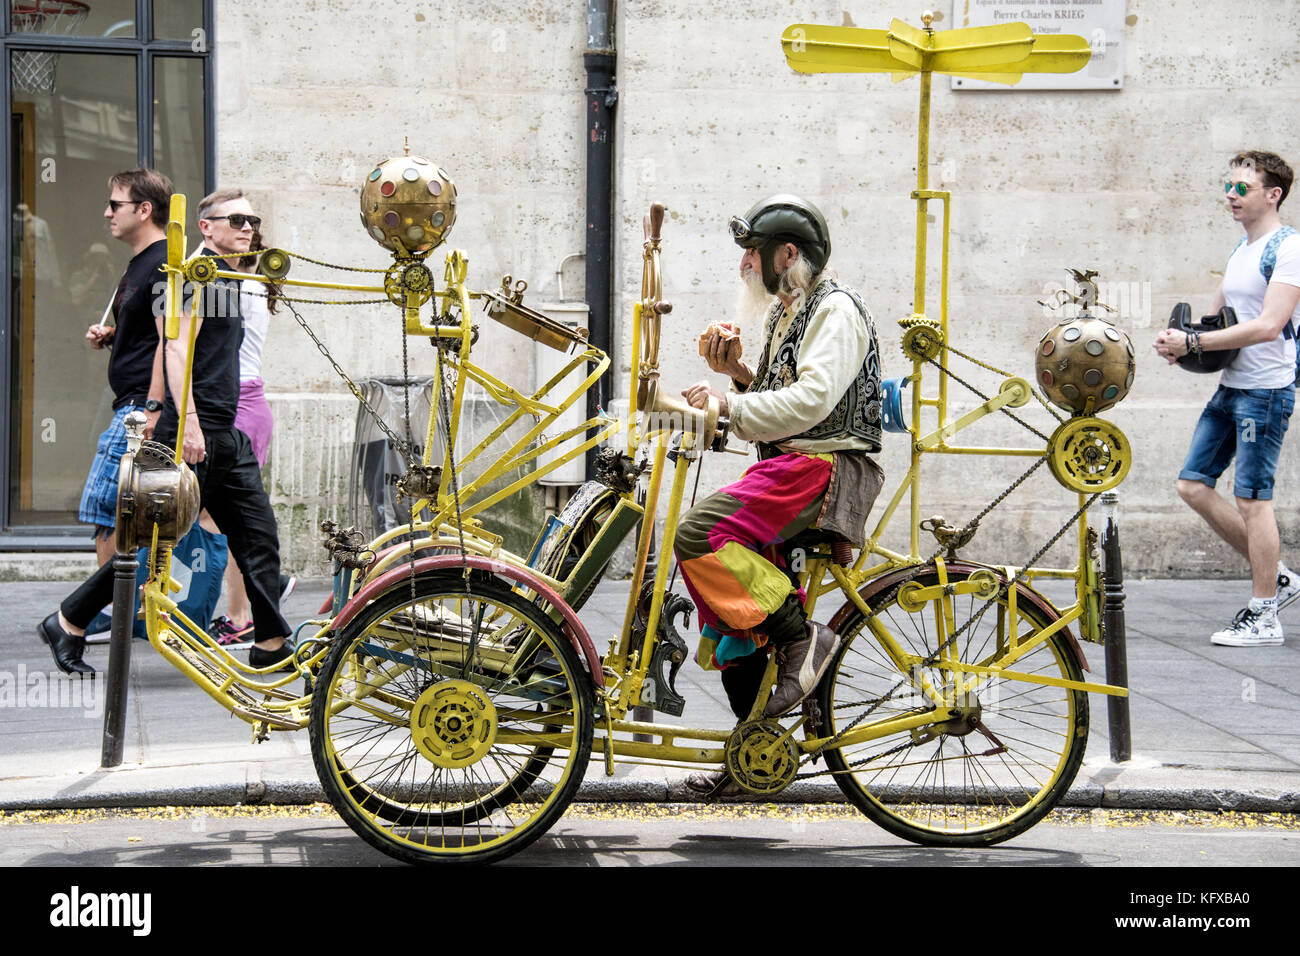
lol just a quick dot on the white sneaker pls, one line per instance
(1250, 629)
(1288, 587)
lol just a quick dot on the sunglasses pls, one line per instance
(1239, 188)
(116, 204)
(238, 220)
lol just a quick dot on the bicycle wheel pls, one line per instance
(454, 726)
(974, 779)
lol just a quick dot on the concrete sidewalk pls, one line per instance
(1212, 727)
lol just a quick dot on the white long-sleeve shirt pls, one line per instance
(830, 357)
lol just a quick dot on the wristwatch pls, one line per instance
(152, 405)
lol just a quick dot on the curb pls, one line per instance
(258, 792)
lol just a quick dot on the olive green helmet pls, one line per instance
(780, 219)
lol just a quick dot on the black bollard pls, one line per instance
(1117, 711)
(119, 659)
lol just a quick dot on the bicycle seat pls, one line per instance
(1181, 320)
(811, 539)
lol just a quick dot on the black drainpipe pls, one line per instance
(599, 58)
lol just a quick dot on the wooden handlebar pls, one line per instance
(656, 220)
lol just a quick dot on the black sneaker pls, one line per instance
(231, 635)
(263, 659)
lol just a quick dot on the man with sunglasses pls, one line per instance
(812, 406)
(1248, 415)
(136, 212)
(230, 482)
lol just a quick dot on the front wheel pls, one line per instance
(452, 721)
(1006, 749)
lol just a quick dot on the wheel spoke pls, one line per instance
(996, 758)
(414, 760)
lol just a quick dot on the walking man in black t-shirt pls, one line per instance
(137, 215)
(136, 211)
(230, 483)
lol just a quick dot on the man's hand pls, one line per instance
(697, 396)
(193, 450)
(1171, 345)
(100, 335)
(723, 355)
(151, 422)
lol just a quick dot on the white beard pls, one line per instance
(752, 300)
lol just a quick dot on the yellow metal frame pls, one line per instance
(452, 522)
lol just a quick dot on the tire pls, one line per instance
(966, 787)
(561, 561)
(427, 757)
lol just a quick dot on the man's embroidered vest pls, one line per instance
(857, 414)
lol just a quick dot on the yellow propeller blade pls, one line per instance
(1000, 53)
(813, 48)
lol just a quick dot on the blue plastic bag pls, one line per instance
(199, 565)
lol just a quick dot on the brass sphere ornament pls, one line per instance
(1085, 364)
(408, 205)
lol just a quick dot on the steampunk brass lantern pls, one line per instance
(1085, 365)
(152, 489)
(408, 205)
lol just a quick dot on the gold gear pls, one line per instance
(273, 263)
(759, 760)
(406, 277)
(201, 270)
(988, 584)
(1088, 454)
(1020, 389)
(453, 724)
(922, 342)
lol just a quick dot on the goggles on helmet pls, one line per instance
(740, 229)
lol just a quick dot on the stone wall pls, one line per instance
(709, 119)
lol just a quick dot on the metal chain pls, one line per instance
(329, 265)
(1002, 497)
(301, 301)
(934, 656)
(993, 368)
(1004, 410)
(404, 448)
(444, 413)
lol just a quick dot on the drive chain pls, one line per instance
(403, 447)
(997, 371)
(1004, 410)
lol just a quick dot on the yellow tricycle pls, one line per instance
(453, 695)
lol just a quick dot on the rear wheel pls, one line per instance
(452, 726)
(998, 758)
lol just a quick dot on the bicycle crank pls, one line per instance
(761, 757)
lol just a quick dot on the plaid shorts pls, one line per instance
(99, 497)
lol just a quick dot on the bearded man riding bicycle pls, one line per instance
(813, 407)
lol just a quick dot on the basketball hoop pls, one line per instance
(33, 70)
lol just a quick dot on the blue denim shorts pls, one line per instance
(1247, 423)
(99, 497)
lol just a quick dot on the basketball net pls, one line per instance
(33, 70)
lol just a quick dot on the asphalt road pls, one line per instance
(651, 835)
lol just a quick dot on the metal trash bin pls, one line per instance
(376, 465)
